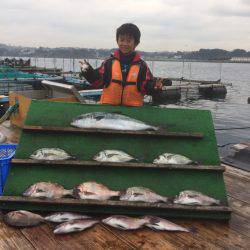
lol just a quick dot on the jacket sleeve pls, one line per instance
(94, 76)
(147, 80)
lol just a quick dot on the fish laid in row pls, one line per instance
(169, 158)
(22, 218)
(190, 197)
(74, 226)
(51, 154)
(114, 121)
(130, 223)
(47, 190)
(113, 156)
(142, 194)
(94, 191)
(64, 217)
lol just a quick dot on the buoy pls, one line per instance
(2, 138)
(170, 95)
(212, 90)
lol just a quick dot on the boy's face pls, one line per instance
(126, 43)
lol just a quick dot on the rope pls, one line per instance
(232, 128)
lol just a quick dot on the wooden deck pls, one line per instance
(208, 234)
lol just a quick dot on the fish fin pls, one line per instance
(76, 192)
(117, 112)
(88, 193)
(137, 194)
(77, 228)
(120, 226)
(153, 220)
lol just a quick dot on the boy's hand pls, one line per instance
(158, 84)
(84, 65)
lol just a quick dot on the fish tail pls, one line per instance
(68, 192)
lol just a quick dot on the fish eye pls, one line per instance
(40, 190)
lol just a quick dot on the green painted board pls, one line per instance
(163, 181)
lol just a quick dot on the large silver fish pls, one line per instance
(112, 156)
(22, 218)
(169, 158)
(158, 223)
(142, 194)
(124, 222)
(190, 197)
(64, 217)
(103, 120)
(74, 226)
(93, 191)
(50, 154)
(46, 190)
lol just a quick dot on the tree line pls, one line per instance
(69, 52)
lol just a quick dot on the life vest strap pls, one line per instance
(124, 83)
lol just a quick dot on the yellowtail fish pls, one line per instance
(103, 120)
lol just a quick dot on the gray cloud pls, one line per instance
(165, 24)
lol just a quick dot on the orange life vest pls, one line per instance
(119, 92)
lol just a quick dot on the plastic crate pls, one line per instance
(7, 151)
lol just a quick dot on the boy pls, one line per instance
(125, 77)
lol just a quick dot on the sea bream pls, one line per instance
(22, 218)
(141, 194)
(190, 197)
(103, 120)
(51, 154)
(74, 226)
(47, 190)
(64, 217)
(113, 156)
(124, 222)
(161, 224)
(93, 191)
(169, 158)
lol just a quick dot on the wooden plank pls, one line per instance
(112, 132)
(237, 173)
(240, 224)
(239, 207)
(31, 162)
(238, 188)
(97, 237)
(12, 238)
(111, 203)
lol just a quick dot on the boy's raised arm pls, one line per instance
(93, 76)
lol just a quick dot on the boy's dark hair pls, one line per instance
(129, 29)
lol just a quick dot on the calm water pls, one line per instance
(233, 111)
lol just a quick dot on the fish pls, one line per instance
(169, 158)
(113, 156)
(93, 191)
(141, 194)
(46, 190)
(124, 222)
(74, 226)
(51, 154)
(64, 217)
(22, 218)
(104, 120)
(161, 224)
(190, 197)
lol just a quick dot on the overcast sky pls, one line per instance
(166, 25)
